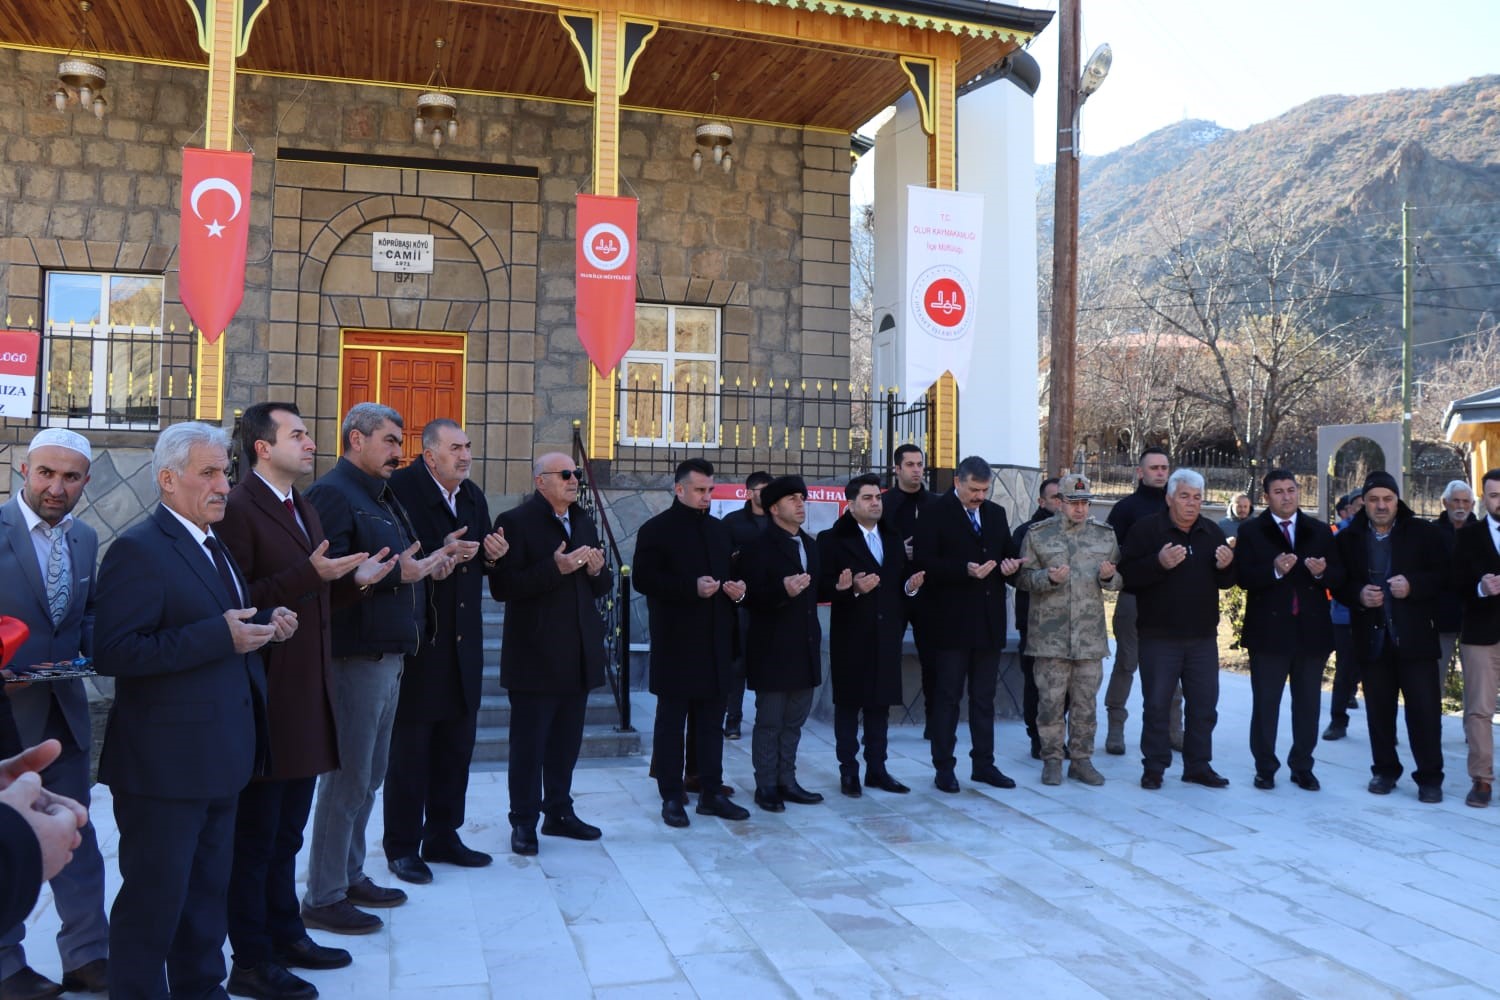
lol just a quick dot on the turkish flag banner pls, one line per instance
(606, 256)
(215, 232)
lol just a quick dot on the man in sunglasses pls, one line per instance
(552, 652)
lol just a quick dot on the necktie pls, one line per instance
(1286, 531)
(872, 539)
(291, 508)
(566, 526)
(801, 552)
(974, 520)
(59, 577)
(225, 573)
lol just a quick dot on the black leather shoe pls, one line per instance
(455, 853)
(341, 918)
(849, 785)
(410, 869)
(769, 800)
(945, 781)
(1208, 778)
(1429, 793)
(732, 731)
(1478, 797)
(308, 954)
(523, 839)
(28, 984)
(992, 775)
(269, 981)
(1335, 731)
(570, 826)
(883, 781)
(90, 977)
(1381, 785)
(1266, 782)
(720, 806)
(367, 893)
(796, 793)
(673, 814)
(1151, 780)
(1305, 780)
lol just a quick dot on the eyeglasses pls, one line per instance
(566, 474)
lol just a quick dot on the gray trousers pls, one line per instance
(77, 890)
(1127, 659)
(365, 692)
(779, 716)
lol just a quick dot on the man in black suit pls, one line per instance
(744, 526)
(1476, 575)
(784, 659)
(1395, 566)
(963, 546)
(187, 730)
(552, 653)
(432, 741)
(684, 566)
(1286, 561)
(901, 506)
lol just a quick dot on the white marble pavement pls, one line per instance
(1036, 892)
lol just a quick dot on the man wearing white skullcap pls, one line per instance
(47, 561)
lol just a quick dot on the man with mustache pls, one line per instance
(360, 513)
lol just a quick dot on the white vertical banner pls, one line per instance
(943, 239)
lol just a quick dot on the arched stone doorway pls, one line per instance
(1383, 440)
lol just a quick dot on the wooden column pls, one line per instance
(942, 173)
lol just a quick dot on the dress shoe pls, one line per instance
(1084, 770)
(268, 981)
(1429, 793)
(673, 814)
(455, 853)
(1265, 782)
(732, 731)
(1306, 780)
(946, 781)
(308, 954)
(366, 893)
(796, 793)
(28, 984)
(769, 800)
(1151, 780)
(1336, 731)
(1479, 795)
(992, 775)
(1208, 778)
(90, 977)
(1114, 743)
(883, 781)
(341, 918)
(1381, 785)
(849, 785)
(570, 826)
(720, 806)
(523, 839)
(1176, 741)
(1052, 772)
(410, 869)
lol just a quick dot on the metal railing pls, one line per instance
(113, 377)
(614, 607)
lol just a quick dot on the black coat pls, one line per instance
(20, 867)
(960, 611)
(1023, 597)
(1417, 553)
(744, 526)
(901, 510)
(692, 637)
(1182, 602)
(1145, 501)
(865, 630)
(1448, 611)
(442, 679)
(1474, 556)
(783, 651)
(554, 635)
(1270, 626)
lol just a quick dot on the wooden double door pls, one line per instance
(419, 375)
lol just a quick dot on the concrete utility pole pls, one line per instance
(1407, 279)
(1060, 391)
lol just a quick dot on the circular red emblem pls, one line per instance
(945, 302)
(941, 298)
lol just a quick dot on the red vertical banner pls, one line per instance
(215, 232)
(605, 311)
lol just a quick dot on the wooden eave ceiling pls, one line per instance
(508, 49)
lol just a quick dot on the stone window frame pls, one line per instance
(668, 394)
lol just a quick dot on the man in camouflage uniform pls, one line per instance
(1066, 565)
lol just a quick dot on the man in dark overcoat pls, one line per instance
(552, 653)
(784, 661)
(683, 567)
(864, 573)
(277, 539)
(744, 526)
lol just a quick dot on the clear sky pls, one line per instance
(1238, 62)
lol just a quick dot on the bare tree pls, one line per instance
(862, 295)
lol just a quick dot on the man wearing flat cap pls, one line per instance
(47, 560)
(783, 656)
(1395, 567)
(1067, 563)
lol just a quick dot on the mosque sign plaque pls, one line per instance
(402, 253)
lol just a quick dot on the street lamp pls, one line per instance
(1073, 89)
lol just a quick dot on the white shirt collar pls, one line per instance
(283, 497)
(450, 497)
(33, 518)
(198, 533)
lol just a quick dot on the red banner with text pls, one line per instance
(606, 257)
(215, 232)
(20, 357)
